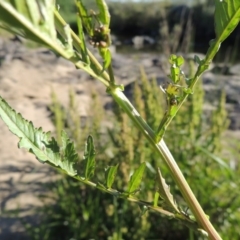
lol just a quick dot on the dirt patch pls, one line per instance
(27, 78)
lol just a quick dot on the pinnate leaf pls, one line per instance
(164, 191)
(136, 179)
(29, 18)
(40, 143)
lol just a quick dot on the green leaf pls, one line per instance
(216, 159)
(68, 45)
(86, 19)
(164, 191)
(110, 175)
(173, 109)
(227, 16)
(83, 50)
(38, 142)
(179, 61)
(172, 90)
(69, 156)
(104, 15)
(156, 197)
(136, 179)
(175, 73)
(172, 59)
(107, 57)
(197, 59)
(188, 90)
(89, 157)
(28, 18)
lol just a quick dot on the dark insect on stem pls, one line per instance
(173, 101)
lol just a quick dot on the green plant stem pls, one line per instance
(133, 199)
(163, 126)
(164, 152)
(51, 43)
(129, 198)
(60, 23)
(201, 68)
(160, 147)
(111, 74)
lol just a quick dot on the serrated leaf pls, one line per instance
(104, 15)
(227, 16)
(164, 191)
(69, 155)
(110, 175)
(38, 142)
(28, 18)
(89, 157)
(136, 179)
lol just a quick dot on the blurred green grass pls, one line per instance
(129, 19)
(196, 139)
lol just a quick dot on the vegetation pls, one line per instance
(194, 139)
(127, 19)
(138, 150)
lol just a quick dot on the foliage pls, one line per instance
(192, 137)
(37, 20)
(127, 20)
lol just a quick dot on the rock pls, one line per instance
(235, 69)
(140, 41)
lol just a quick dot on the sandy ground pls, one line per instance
(27, 79)
(26, 83)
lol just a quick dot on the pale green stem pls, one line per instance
(164, 152)
(60, 23)
(160, 147)
(167, 117)
(94, 70)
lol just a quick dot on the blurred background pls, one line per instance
(189, 23)
(39, 203)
